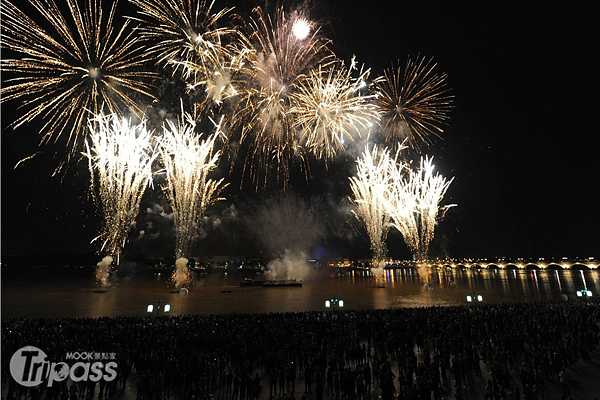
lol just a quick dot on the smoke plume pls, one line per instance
(103, 271)
(181, 275)
(292, 265)
(288, 227)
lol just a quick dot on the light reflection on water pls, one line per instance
(72, 296)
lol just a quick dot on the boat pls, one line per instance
(251, 282)
(283, 283)
(271, 283)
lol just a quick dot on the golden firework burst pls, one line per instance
(414, 103)
(279, 62)
(331, 108)
(71, 64)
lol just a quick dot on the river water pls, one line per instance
(70, 294)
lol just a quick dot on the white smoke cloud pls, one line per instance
(288, 227)
(293, 265)
(181, 275)
(103, 271)
(379, 271)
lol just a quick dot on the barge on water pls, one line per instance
(271, 283)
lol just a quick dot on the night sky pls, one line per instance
(521, 143)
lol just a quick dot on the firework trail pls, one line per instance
(329, 109)
(368, 186)
(282, 53)
(412, 200)
(120, 157)
(186, 37)
(71, 64)
(413, 103)
(187, 160)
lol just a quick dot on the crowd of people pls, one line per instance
(404, 353)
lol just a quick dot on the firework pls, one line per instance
(71, 65)
(120, 157)
(301, 28)
(279, 62)
(368, 186)
(187, 160)
(329, 109)
(185, 36)
(413, 104)
(412, 200)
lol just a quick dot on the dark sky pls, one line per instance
(521, 143)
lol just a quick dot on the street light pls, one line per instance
(166, 307)
(584, 293)
(334, 302)
(474, 297)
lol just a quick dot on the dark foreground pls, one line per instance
(509, 351)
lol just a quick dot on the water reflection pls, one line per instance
(71, 296)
